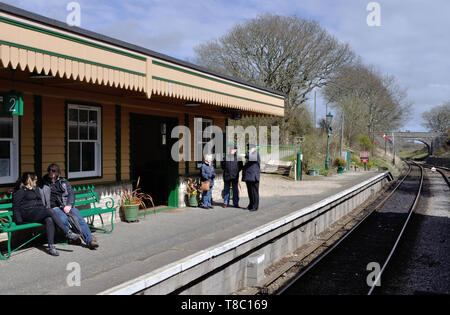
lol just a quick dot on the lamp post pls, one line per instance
(329, 118)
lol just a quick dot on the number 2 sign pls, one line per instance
(13, 101)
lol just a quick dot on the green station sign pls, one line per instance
(13, 103)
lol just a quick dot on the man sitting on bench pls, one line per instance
(57, 193)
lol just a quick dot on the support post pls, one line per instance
(327, 164)
(299, 165)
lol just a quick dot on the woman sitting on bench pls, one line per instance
(28, 208)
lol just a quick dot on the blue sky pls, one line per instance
(412, 43)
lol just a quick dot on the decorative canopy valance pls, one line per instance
(55, 50)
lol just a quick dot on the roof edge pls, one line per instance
(112, 41)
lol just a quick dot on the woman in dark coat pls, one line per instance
(28, 207)
(251, 175)
(208, 174)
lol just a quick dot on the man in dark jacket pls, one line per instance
(251, 176)
(57, 193)
(231, 168)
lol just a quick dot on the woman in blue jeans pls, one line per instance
(208, 174)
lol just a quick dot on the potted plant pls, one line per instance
(193, 188)
(132, 201)
(341, 164)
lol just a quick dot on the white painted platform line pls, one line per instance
(165, 272)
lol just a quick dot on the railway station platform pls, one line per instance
(171, 242)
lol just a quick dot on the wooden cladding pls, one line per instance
(45, 142)
(180, 82)
(48, 63)
(45, 50)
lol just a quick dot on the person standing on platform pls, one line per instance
(207, 175)
(231, 168)
(251, 176)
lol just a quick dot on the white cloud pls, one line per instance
(412, 42)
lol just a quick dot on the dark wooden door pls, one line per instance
(150, 147)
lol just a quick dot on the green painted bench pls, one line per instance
(85, 197)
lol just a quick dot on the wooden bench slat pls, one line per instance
(93, 211)
(85, 195)
(85, 202)
(5, 213)
(4, 206)
(17, 227)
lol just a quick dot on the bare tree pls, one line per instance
(285, 53)
(437, 118)
(370, 101)
(355, 118)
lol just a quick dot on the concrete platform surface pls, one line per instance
(134, 249)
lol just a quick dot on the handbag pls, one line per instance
(205, 186)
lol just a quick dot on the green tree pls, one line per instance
(364, 143)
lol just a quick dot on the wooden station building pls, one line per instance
(103, 109)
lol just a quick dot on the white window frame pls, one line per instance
(14, 153)
(98, 143)
(210, 122)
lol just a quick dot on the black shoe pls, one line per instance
(254, 209)
(52, 250)
(93, 244)
(77, 242)
(72, 236)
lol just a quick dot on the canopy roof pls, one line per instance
(45, 46)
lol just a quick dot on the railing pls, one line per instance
(278, 153)
(278, 159)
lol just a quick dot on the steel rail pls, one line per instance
(330, 249)
(411, 210)
(441, 170)
(437, 167)
(378, 207)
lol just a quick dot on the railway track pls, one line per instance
(355, 263)
(441, 170)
